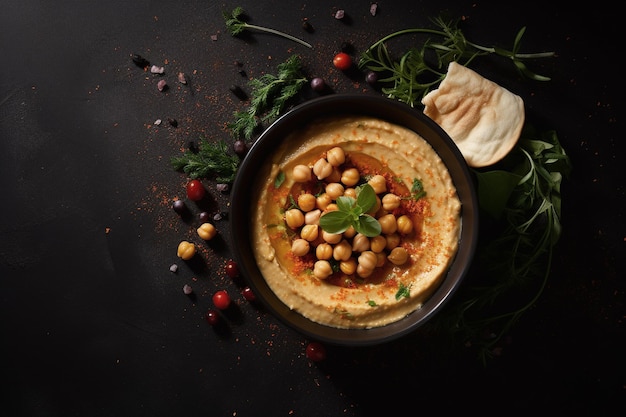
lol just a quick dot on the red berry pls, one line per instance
(248, 294)
(221, 299)
(342, 61)
(195, 190)
(212, 317)
(231, 269)
(315, 351)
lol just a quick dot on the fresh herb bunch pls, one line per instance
(210, 159)
(411, 77)
(269, 97)
(523, 197)
(353, 212)
(236, 25)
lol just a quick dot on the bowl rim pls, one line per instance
(392, 111)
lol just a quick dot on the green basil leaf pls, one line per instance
(368, 225)
(335, 221)
(366, 197)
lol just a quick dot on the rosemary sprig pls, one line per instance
(209, 159)
(270, 96)
(412, 76)
(236, 25)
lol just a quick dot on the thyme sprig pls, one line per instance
(411, 77)
(236, 25)
(270, 95)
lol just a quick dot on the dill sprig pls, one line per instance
(411, 77)
(210, 159)
(524, 197)
(270, 95)
(236, 25)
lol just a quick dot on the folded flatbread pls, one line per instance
(484, 119)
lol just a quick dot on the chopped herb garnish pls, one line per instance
(280, 178)
(403, 291)
(417, 189)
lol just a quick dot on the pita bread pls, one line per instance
(484, 119)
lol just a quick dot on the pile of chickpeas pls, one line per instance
(354, 252)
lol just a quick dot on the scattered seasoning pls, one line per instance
(373, 9)
(157, 70)
(340, 14)
(140, 61)
(182, 78)
(187, 289)
(173, 268)
(157, 122)
(162, 85)
(222, 187)
(213, 38)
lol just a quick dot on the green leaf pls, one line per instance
(368, 225)
(366, 197)
(494, 190)
(336, 221)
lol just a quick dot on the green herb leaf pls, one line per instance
(403, 291)
(351, 212)
(211, 160)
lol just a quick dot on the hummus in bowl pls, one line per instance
(404, 227)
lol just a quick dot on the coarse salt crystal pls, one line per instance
(157, 70)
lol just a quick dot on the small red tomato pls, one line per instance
(248, 294)
(316, 351)
(342, 61)
(231, 269)
(221, 299)
(195, 190)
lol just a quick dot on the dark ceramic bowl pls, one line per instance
(244, 195)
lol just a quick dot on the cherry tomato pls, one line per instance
(195, 190)
(342, 61)
(316, 351)
(221, 299)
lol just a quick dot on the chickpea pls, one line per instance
(312, 217)
(306, 202)
(309, 232)
(381, 259)
(206, 231)
(301, 173)
(378, 243)
(332, 238)
(350, 192)
(186, 250)
(334, 190)
(342, 251)
(391, 201)
(323, 200)
(324, 251)
(322, 168)
(393, 240)
(363, 272)
(398, 256)
(348, 267)
(294, 218)
(336, 156)
(350, 177)
(388, 224)
(300, 247)
(405, 224)
(360, 243)
(349, 233)
(322, 269)
(368, 260)
(331, 207)
(378, 183)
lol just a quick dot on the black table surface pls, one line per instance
(94, 323)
